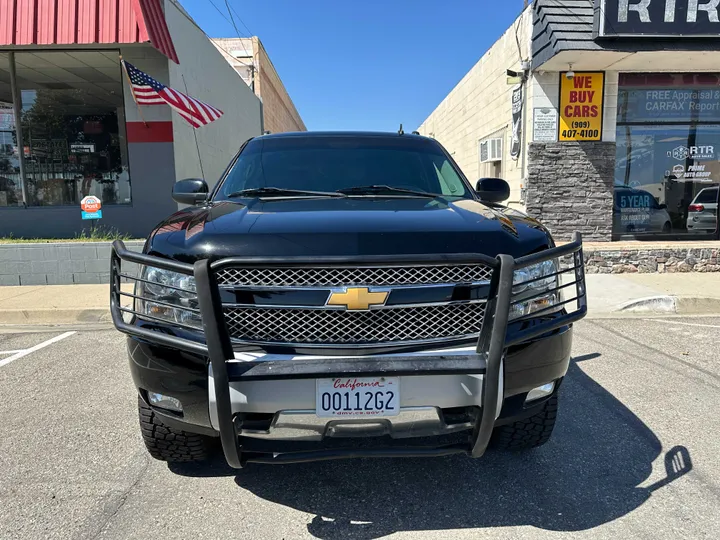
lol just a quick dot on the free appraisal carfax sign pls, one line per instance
(581, 106)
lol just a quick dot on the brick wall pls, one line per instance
(279, 112)
(570, 188)
(59, 263)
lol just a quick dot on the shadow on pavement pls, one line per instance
(587, 475)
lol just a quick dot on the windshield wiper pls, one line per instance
(280, 192)
(380, 189)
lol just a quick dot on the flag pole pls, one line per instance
(197, 146)
(132, 92)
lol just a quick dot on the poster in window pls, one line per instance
(581, 106)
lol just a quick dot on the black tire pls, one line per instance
(167, 443)
(528, 433)
(667, 228)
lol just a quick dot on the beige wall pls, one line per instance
(479, 106)
(211, 79)
(279, 112)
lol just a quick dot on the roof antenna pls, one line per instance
(400, 131)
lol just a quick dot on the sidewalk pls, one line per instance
(684, 293)
(608, 295)
(57, 304)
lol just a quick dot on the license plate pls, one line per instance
(357, 397)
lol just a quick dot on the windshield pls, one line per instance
(340, 163)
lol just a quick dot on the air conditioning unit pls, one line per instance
(491, 150)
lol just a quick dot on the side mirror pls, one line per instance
(663, 207)
(190, 191)
(493, 189)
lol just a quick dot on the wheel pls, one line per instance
(667, 228)
(167, 443)
(528, 433)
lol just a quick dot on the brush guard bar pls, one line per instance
(496, 335)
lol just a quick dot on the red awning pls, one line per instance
(66, 22)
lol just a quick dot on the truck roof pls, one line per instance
(305, 134)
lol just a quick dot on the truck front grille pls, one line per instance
(325, 326)
(340, 276)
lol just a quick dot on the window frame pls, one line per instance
(20, 136)
(690, 125)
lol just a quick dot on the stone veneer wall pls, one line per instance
(652, 259)
(570, 188)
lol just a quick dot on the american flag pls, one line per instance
(147, 91)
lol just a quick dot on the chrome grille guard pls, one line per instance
(496, 335)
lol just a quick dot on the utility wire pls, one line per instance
(230, 12)
(243, 22)
(221, 13)
(232, 19)
(251, 65)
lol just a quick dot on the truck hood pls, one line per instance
(351, 226)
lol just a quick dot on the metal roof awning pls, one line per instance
(69, 22)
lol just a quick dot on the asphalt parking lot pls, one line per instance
(635, 455)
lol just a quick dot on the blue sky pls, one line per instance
(366, 65)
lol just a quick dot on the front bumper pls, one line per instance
(238, 389)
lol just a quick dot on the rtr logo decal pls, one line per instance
(693, 152)
(681, 152)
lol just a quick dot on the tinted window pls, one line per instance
(707, 196)
(332, 163)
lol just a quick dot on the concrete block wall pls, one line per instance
(59, 263)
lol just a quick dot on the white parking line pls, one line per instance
(685, 323)
(11, 352)
(25, 352)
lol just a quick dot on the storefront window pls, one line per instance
(10, 186)
(73, 127)
(668, 154)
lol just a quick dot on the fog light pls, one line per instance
(540, 392)
(164, 402)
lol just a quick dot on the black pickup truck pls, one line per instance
(346, 295)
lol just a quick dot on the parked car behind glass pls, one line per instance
(702, 212)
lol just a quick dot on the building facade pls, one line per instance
(620, 117)
(250, 59)
(69, 126)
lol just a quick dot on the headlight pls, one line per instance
(169, 296)
(530, 282)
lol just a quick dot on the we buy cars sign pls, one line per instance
(91, 207)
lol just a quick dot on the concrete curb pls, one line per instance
(683, 305)
(55, 316)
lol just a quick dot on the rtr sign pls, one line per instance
(581, 106)
(648, 18)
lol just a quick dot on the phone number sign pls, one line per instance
(581, 106)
